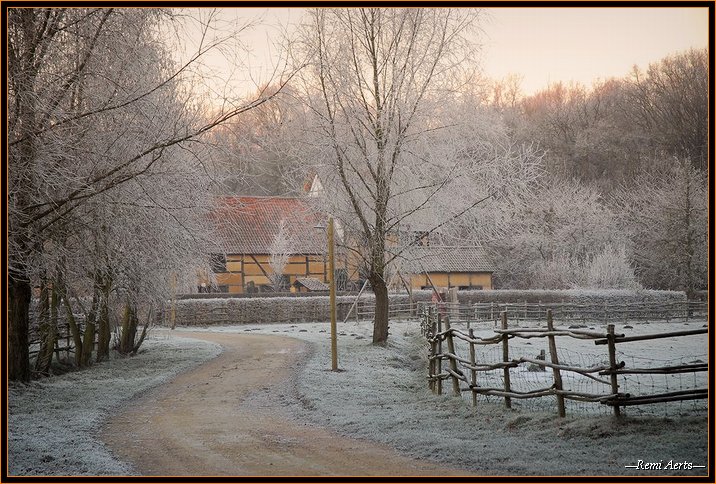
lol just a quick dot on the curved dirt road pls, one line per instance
(202, 423)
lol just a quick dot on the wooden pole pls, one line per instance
(555, 359)
(332, 286)
(613, 364)
(452, 362)
(431, 366)
(506, 359)
(439, 361)
(473, 362)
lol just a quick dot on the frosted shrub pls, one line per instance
(558, 272)
(610, 269)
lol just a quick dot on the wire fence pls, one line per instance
(524, 367)
(586, 314)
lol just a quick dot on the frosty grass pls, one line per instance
(381, 395)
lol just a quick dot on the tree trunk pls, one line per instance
(380, 325)
(18, 358)
(87, 343)
(129, 330)
(105, 334)
(142, 336)
(74, 330)
(90, 328)
(48, 331)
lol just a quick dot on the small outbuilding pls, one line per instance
(463, 267)
(309, 284)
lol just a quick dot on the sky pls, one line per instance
(583, 44)
(542, 45)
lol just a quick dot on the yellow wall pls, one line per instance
(456, 279)
(243, 269)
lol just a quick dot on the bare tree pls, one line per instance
(95, 101)
(670, 102)
(377, 80)
(280, 254)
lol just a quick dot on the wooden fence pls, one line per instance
(64, 342)
(464, 370)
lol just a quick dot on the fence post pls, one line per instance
(555, 359)
(69, 339)
(452, 361)
(439, 359)
(613, 364)
(473, 362)
(431, 366)
(506, 359)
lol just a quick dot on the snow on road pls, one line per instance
(381, 395)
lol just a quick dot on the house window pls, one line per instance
(470, 288)
(217, 262)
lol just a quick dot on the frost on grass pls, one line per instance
(382, 395)
(53, 423)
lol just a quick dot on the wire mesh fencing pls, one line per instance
(523, 365)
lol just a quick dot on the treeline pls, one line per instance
(625, 199)
(609, 133)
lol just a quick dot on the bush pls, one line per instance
(256, 310)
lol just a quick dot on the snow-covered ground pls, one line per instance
(53, 422)
(381, 395)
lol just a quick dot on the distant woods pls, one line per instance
(604, 135)
(620, 127)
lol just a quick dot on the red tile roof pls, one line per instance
(249, 225)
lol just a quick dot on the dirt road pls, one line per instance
(203, 423)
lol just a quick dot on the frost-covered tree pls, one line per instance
(549, 235)
(664, 213)
(375, 76)
(669, 101)
(97, 99)
(609, 269)
(279, 256)
(382, 133)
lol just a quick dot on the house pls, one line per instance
(248, 230)
(448, 266)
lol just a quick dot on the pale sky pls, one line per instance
(583, 44)
(548, 44)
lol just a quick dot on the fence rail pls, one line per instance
(63, 343)
(468, 374)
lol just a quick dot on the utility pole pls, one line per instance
(332, 297)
